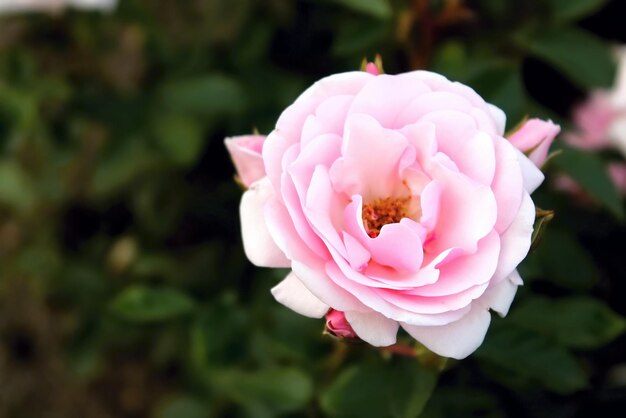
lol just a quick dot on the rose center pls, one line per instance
(381, 212)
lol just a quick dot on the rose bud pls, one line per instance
(534, 138)
(338, 326)
(245, 151)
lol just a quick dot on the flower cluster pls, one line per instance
(397, 202)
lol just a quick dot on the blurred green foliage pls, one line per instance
(124, 291)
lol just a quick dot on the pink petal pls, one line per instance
(533, 177)
(499, 117)
(314, 277)
(466, 271)
(294, 295)
(245, 151)
(507, 184)
(458, 137)
(370, 159)
(402, 88)
(257, 242)
(499, 297)
(397, 246)
(515, 241)
(534, 139)
(457, 339)
(467, 212)
(373, 327)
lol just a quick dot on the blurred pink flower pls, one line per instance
(600, 124)
(396, 200)
(534, 139)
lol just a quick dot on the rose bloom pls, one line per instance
(14, 6)
(395, 200)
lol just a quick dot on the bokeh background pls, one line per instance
(124, 290)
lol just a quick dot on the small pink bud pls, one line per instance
(245, 151)
(534, 139)
(337, 325)
(372, 69)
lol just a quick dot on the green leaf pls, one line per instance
(180, 137)
(265, 392)
(16, 190)
(210, 94)
(216, 336)
(579, 55)
(589, 171)
(576, 322)
(380, 9)
(531, 358)
(183, 407)
(568, 10)
(360, 37)
(564, 261)
(123, 167)
(145, 304)
(399, 389)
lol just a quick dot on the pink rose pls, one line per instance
(396, 200)
(245, 151)
(534, 139)
(337, 325)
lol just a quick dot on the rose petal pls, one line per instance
(257, 242)
(294, 295)
(370, 159)
(533, 177)
(516, 240)
(499, 297)
(373, 327)
(499, 118)
(457, 339)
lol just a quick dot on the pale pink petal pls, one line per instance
(294, 295)
(532, 175)
(245, 151)
(369, 101)
(466, 271)
(499, 118)
(370, 159)
(534, 139)
(515, 241)
(257, 242)
(324, 209)
(314, 277)
(430, 102)
(499, 297)
(467, 212)
(458, 137)
(397, 246)
(457, 339)
(357, 255)
(507, 184)
(373, 327)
